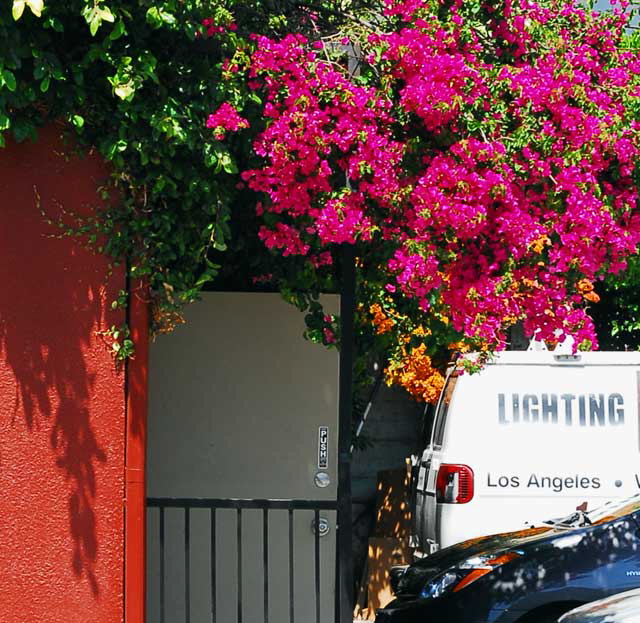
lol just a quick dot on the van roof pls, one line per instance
(593, 358)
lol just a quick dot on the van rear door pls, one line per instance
(426, 519)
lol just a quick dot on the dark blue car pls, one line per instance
(530, 576)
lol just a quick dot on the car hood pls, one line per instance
(431, 566)
(620, 608)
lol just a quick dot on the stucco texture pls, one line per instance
(62, 407)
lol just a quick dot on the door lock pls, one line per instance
(322, 480)
(323, 527)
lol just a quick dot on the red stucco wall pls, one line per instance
(62, 406)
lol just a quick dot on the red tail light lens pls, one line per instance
(454, 484)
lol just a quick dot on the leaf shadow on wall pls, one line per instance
(46, 331)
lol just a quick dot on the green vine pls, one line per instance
(118, 339)
(136, 81)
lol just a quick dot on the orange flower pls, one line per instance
(163, 320)
(381, 321)
(583, 286)
(416, 374)
(420, 331)
(459, 347)
(510, 320)
(530, 283)
(540, 243)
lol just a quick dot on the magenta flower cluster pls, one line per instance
(213, 28)
(491, 152)
(225, 118)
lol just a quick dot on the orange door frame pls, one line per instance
(135, 458)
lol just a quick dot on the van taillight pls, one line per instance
(454, 484)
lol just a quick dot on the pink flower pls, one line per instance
(225, 118)
(491, 173)
(329, 336)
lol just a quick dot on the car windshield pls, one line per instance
(611, 510)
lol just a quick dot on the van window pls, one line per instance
(443, 407)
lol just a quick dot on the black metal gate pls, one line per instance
(184, 513)
(241, 506)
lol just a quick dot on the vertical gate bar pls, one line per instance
(336, 602)
(291, 587)
(213, 565)
(316, 547)
(162, 564)
(239, 527)
(265, 560)
(187, 566)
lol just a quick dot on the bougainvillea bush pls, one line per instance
(482, 156)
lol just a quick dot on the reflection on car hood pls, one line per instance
(620, 608)
(427, 568)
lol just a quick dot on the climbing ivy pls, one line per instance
(136, 81)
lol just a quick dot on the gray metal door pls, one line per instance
(242, 466)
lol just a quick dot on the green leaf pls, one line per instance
(125, 90)
(106, 15)
(9, 79)
(156, 18)
(118, 30)
(5, 122)
(36, 6)
(44, 85)
(228, 164)
(38, 70)
(56, 24)
(17, 9)
(95, 15)
(78, 121)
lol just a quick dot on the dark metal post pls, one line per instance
(345, 553)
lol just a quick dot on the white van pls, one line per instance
(530, 437)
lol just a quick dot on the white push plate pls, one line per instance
(323, 447)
